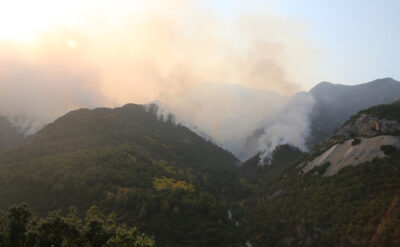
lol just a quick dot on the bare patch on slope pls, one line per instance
(342, 155)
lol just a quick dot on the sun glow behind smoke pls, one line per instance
(71, 43)
(57, 56)
(23, 20)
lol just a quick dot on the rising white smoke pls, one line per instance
(292, 127)
(230, 114)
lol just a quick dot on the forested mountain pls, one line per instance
(183, 190)
(153, 174)
(9, 135)
(335, 196)
(335, 103)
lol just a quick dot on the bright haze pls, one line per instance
(224, 68)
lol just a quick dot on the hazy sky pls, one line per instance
(348, 41)
(357, 40)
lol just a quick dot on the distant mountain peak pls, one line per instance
(325, 85)
(322, 86)
(385, 79)
(383, 82)
(335, 103)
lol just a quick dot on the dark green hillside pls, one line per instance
(359, 206)
(9, 135)
(132, 125)
(163, 178)
(282, 158)
(345, 209)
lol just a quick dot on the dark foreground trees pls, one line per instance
(19, 227)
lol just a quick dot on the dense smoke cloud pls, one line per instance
(247, 121)
(166, 50)
(226, 113)
(292, 127)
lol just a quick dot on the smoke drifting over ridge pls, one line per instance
(165, 50)
(233, 122)
(226, 113)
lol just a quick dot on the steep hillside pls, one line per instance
(335, 103)
(156, 175)
(348, 199)
(9, 135)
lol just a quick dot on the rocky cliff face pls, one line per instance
(352, 153)
(360, 140)
(368, 126)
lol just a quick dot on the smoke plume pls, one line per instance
(171, 50)
(292, 127)
(237, 120)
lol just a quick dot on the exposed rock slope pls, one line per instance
(359, 140)
(366, 125)
(342, 155)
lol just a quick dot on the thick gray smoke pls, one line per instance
(227, 113)
(231, 114)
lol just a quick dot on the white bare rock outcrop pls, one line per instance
(342, 155)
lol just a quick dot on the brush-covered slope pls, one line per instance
(335, 103)
(358, 205)
(156, 175)
(9, 135)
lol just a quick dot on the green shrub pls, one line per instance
(355, 141)
(388, 149)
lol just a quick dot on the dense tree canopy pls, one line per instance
(156, 175)
(20, 228)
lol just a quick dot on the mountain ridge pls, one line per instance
(156, 175)
(335, 103)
